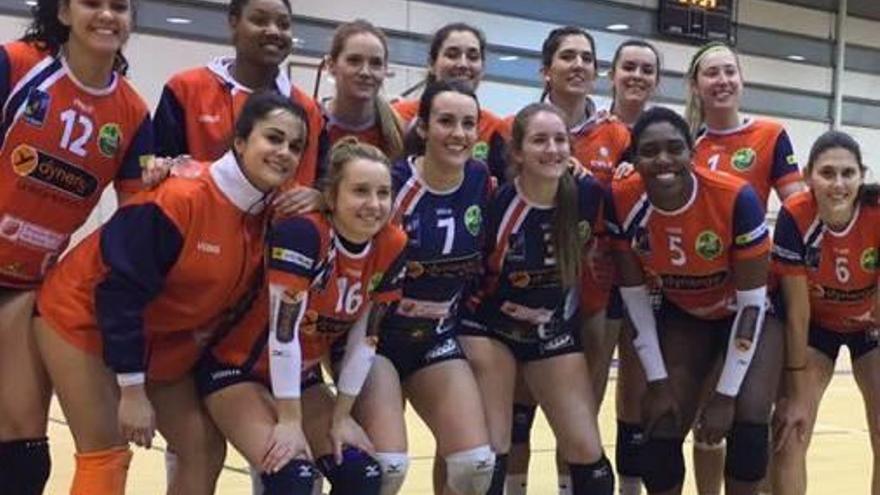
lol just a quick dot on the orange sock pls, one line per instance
(102, 472)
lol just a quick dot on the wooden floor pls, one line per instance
(839, 461)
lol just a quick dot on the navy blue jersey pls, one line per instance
(446, 238)
(522, 284)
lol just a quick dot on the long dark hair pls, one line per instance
(47, 30)
(869, 194)
(551, 46)
(619, 52)
(440, 37)
(415, 144)
(567, 242)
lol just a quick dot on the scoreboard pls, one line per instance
(698, 20)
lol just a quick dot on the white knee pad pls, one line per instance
(470, 472)
(394, 467)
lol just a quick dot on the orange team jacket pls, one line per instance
(63, 143)
(306, 255)
(690, 253)
(490, 136)
(148, 289)
(841, 267)
(758, 151)
(198, 109)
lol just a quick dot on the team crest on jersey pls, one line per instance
(584, 231)
(481, 151)
(109, 139)
(375, 281)
(413, 227)
(869, 259)
(516, 250)
(743, 159)
(36, 107)
(708, 245)
(473, 219)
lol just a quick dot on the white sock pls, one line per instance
(630, 485)
(515, 484)
(565, 485)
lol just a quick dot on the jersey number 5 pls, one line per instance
(676, 253)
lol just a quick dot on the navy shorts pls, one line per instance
(411, 350)
(212, 375)
(829, 342)
(524, 340)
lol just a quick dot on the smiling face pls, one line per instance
(545, 149)
(272, 150)
(635, 75)
(663, 159)
(451, 130)
(262, 34)
(834, 178)
(360, 67)
(360, 204)
(459, 59)
(100, 26)
(572, 69)
(718, 81)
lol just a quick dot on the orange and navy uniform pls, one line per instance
(840, 267)
(522, 301)
(759, 151)
(305, 254)
(333, 130)
(689, 253)
(599, 145)
(490, 146)
(148, 289)
(198, 108)
(65, 142)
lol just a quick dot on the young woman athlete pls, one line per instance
(72, 124)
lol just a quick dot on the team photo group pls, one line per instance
(288, 277)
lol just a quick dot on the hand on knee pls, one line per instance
(359, 473)
(394, 466)
(747, 451)
(296, 478)
(102, 471)
(471, 472)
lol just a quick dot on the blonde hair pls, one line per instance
(392, 129)
(345, 151)
(693, 107)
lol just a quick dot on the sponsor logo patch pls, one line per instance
(53, 172)
(37, 107)
(290, 256)
(23, 232)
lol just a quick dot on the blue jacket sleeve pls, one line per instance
(141, 145)
(139, 245)
(5, 75)
(169, 126)
(788, 245)
(749, 226)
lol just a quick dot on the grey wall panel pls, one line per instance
(861, 113)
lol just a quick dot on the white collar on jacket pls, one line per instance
(232, 182)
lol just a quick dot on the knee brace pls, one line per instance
(747, 451)
(295, 478)
(627, 456)
(102, 471)
(499, 474)
(394, 466)
(592, 479)
(359, 473)
(471, 472)
(663, 466)
(24, 465)
(523, 419)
